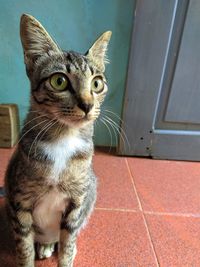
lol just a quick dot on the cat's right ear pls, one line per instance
(35, 39)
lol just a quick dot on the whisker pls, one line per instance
(113, 113)
(33, 119)
(120, 131)
(51, 124)
(120, 127)
(109, 133)
(34, 141)
(59, 128)
(113, 128)
(30, 130)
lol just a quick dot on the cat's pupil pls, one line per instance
(60, 81)
(96, 84)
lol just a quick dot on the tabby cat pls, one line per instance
(50, 184)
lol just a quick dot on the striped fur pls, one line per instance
(50, 184)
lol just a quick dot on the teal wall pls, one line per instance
(75, 24)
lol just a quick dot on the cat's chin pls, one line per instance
(75, 123)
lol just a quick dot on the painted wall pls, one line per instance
(75, 25)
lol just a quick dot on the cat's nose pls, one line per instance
(85, 107)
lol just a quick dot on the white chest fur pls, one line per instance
(61, 151)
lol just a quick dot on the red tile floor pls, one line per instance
(147, 214)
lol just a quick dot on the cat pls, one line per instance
(50, 183)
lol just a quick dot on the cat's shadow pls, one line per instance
(7, 258)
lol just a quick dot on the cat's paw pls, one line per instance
(45, 250)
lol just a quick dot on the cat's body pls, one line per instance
(50, 184)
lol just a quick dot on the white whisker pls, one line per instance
(35, 140)
(113, 113)
(51, 124)
(109, 133)
(34, 119)
(30, 130)
(113, 128)
(120, 132)
(120, 127)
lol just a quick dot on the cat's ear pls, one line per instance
(97, 53)
(35, 39)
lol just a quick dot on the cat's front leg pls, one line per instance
(67, 248)
(21, 223)
(70, 226)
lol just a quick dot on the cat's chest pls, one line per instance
(61, 151)
(47, 215)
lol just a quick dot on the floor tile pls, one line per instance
(114, 239)
(50, 262)
(167, 186)
(176, 240)
(115, 189)
(111, 239)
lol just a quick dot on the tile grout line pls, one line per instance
(134, 187)
(143, 215)
(117, 209)
(175, 214)
(151, 241)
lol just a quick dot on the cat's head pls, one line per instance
(66, 86)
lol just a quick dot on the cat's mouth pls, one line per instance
(77, 120)
(77, 116)
(84, 118)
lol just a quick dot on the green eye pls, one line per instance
(97, 85)
(59, 81)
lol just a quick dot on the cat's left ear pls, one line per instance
(35, 39)
(97, 53)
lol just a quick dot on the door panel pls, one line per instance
(183, 104)
(161, 109)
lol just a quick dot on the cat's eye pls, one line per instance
(59, 81)
(97, 85)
